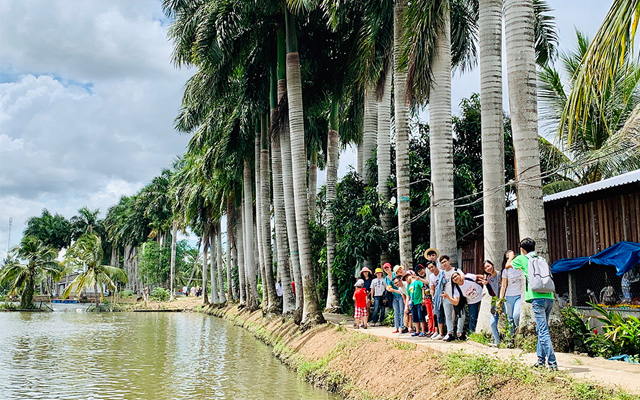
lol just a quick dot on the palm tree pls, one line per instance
(21, 278)
(587, 151)
(493, 196)
(401, 115)
(311, 312)
(85, 222)
(86, 255)
(521, 74)
(597, 75)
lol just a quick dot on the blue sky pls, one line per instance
(88, 96)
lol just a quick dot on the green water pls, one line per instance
(78, 355)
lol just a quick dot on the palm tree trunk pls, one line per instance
(249, 256)
(259, 220)
(222, 297)
(384, 159)
(195, 264)
(360, 158)
(241, 249)
(265, 212)
(231, 243)
(287, 182)
(288, 298)
(213, 265)
(205, 265)
(172, 274)
(402, 139)
(311, 313)
(313, 183)
(521, 74)
(441, 143)
(333, 159)
(95, 295)
(493, 197)
(369, 130)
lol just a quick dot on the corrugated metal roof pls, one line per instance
(629, 177)
(624, 179)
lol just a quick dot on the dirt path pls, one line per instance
(611, 373)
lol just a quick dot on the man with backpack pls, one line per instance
(539, 293)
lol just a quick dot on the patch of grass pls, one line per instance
(588, 391)
(8, 306)
(481, 338)
(402, 345)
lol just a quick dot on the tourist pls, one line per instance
(360, 299)
(365, 275)
(397, 301)
(378, 292)
(402, 288)
(414, 291)
(449, 311)
(185, 291)
(421, 273)
(491, 280)
(193, 291)
(511, 290)
(436, 285)
(432, 255)
(279, 288)
(541, 303)
(472, 292)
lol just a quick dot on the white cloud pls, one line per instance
(87, 100)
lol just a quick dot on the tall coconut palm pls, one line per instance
(333, 154)
(401, 118)
(493, 196)
(591, 150)
(268, 284)
(278, 90)
(521, 74)
(221, 297)
(172, 273)
(21, 278)
(311, 312)
(85, 255)
(597, 75)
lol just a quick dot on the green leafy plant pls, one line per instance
(160, 294)
(623, 331)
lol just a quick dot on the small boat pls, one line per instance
(67, 301)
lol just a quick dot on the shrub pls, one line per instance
(160, 294)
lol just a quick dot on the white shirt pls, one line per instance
(470, 289)
(514, 281)
(278, 289)
(378, 286)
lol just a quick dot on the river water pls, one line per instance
(70, 354)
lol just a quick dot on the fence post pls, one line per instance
(573, 295)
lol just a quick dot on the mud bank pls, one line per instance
(360, 366)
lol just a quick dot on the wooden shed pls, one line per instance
(580, 222)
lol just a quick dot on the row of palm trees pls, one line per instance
(274, 81)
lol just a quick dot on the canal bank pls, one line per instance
(359, 365)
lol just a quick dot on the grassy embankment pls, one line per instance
(361, 366)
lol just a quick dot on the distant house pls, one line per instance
(62, 285)
(580, 222)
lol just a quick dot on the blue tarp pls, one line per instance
(623, 255)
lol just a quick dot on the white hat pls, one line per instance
(359, 283)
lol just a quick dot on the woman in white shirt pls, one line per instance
(511, 290)
(472, 291)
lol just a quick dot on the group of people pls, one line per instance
(435, 300)
(195, 291)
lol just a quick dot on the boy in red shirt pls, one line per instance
(360, 297)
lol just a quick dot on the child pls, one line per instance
(417, 309)
(360, 297)
(378, 292)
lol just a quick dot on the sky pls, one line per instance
(88, 95)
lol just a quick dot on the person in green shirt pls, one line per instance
(541, 303)
(414, 291)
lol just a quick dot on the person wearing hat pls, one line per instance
(367, 277)
(378, 292)
(360, 298)
(432, 254)
(393, 282)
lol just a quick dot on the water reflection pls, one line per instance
(70, 355)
